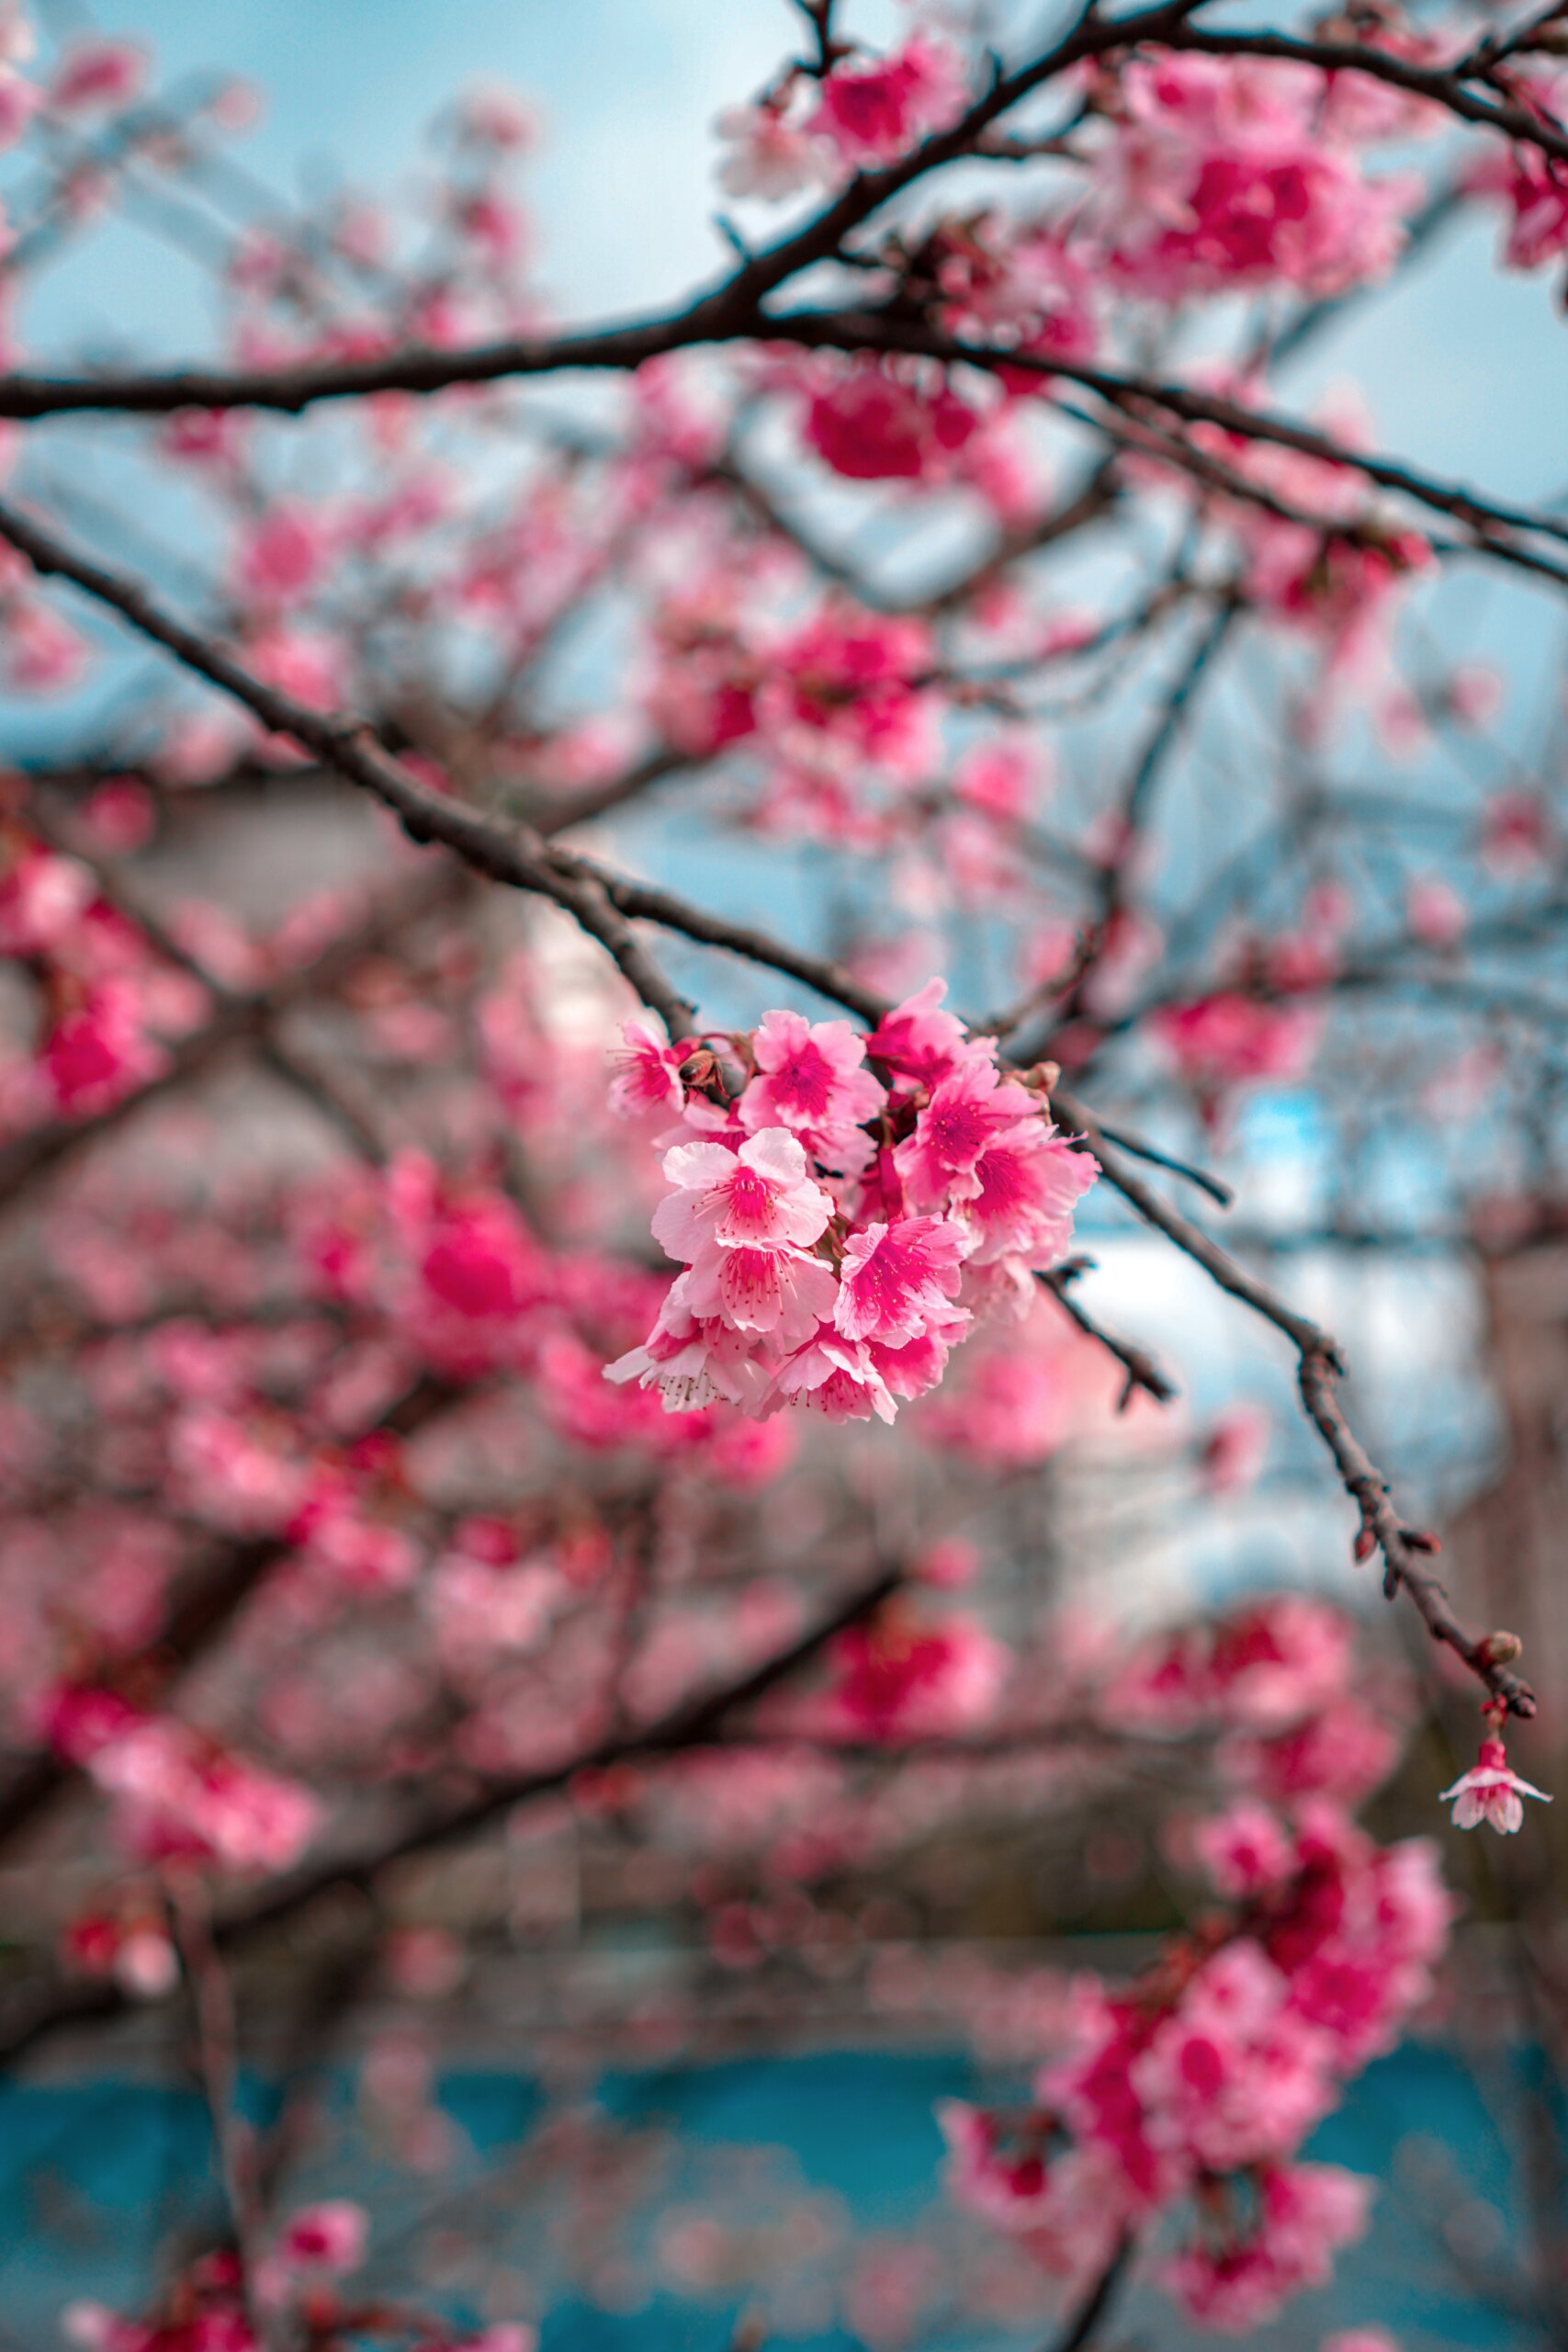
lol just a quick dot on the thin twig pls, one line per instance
(1140, 1367)
(1082, 2321)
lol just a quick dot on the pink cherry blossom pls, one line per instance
(695, 1364)
(98, 73)
(1306, 2212)
(839, 1378)
(810, 1077)
(918, 1039)
(1229, 1039)
(874, 422)
(759, 1196)
(1489, 1791)
(1517, 833)
(871, 113)
(1220, 177)
(1233, 1449)
(848, 687)
(1019, 1200)
(770, 155)
(646, 1072)
(1245, 1850)
(1231, 2078)
(41, 653)
(98, 1051)
(280, 559)
(905, 1677)
(177, 1794)
(1436, 912)
(329, 2239)
(898, 1279)
(969, 1111)
(781, 1291)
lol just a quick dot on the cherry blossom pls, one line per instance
(870, 112)
(896, 1281)
(1489, 1791)
(759, 1196)
(810, 1077)
(770, 156)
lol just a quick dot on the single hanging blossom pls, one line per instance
(1491, 1793)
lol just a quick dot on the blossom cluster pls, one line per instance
(838, 1230)
(1190, 2094)
(1223, 175)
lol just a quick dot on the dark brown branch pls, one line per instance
(1320, 1367)
(516, 854)
(865, 331)
(732, 308)
(1081, 2323)
(1444, 85)
(1141, 1370)
(1140, 1147)
(729, 312)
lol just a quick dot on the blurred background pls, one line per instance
(631, 2048)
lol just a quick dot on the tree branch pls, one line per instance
(600, 902)
(1320, 1367)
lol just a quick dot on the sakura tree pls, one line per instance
(597, 917)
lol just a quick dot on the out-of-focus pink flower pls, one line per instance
(122, 815)
(94, 73)
(647, 1071)
(1516, 831)
(905, 1677)
(493, 116)
(100, 1051)
(1229, 1039)
(43, 899)
(329, 2238)
(1437, 914)
(280, 558)
(871, 113)
(1224, 174)
(1233, 1449)
(178, 1794)
(850, 686)
(872, 422)
(1245, 1850)
(307, 664)
(1306, 2212)
(770, 156)
(42, 654)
